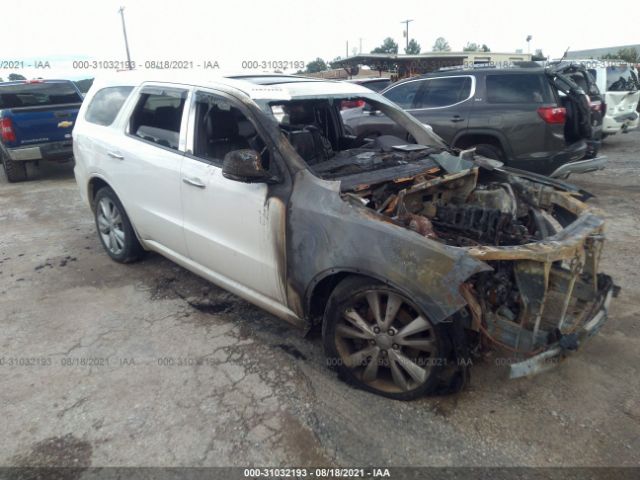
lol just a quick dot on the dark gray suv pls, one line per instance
(520, 116)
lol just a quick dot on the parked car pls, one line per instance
(621, 87)
(408, 255)
(573, 130)
(36, 117)
(514, 115)
(375, 84)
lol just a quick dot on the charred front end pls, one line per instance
(543, 294)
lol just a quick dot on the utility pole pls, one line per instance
(360, 52)
(347, 48)
(126, 42)
(529, 37)
(406, 32)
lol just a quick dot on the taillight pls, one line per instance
(553, 114)
(6, 129)
(351, 104)
(35, 80)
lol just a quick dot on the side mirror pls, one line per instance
(245, 166)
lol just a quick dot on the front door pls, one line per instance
(235, 230)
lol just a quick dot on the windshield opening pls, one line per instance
(334, 138)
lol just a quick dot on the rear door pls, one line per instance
(42, 111)
(145, 162)
(445, 104)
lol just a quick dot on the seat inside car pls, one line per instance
(221, 134)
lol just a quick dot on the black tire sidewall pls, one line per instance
(340, 298)
(132, 249)
(15, 171)
(490, 151)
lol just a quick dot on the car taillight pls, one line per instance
(553, 114)
(351, 104)
(6, 129)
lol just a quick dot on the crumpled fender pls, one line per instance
(326, 233)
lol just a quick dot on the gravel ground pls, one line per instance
(148, 365)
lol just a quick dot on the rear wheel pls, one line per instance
(380, 341)
(15, 171)
(490, 151)
(114, 228)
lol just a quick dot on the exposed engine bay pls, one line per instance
(542, 292)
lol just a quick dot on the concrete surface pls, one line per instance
(148, 365)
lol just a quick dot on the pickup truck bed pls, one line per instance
(36, 120)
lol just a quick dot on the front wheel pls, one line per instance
(380, 341)
(114, 228)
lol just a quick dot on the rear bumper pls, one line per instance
(57, 151)
(570, 343)
(581, 166)
(620, 123)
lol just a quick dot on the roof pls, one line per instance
(255, 86)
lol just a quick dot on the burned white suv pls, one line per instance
(411, 257)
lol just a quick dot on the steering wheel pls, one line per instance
(360, 139)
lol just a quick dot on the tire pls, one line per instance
(490, 151)
(354, 342)
(15, 171)
(114, 228)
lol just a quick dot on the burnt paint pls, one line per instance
(328, 234)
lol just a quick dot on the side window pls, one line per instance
(106, 104)
(443, 92)
(157, 117)
(404, 94)
(220, 128)
(516, 88)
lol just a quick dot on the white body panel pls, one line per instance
(225, 231)
(232, 229)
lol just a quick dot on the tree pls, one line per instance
(441, 45)
(317, 65)
(16, 76)
(538, 56)
(629, 55)
(388, 46)
(413, 48)
(484, 48)
(471, 47)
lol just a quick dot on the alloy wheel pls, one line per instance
(386, 342)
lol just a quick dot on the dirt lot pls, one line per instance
(146, 364)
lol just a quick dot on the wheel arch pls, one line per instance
(468, 138)
(94, 185)
(324, 283)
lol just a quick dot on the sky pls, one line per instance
(236, 31)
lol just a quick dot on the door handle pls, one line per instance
(115, 155)
(194, 182)
(457, 118)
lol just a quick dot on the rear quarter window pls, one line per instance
(517, 88)
(106, 104)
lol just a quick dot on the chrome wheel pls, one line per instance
(385, 342)
(110, 226)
